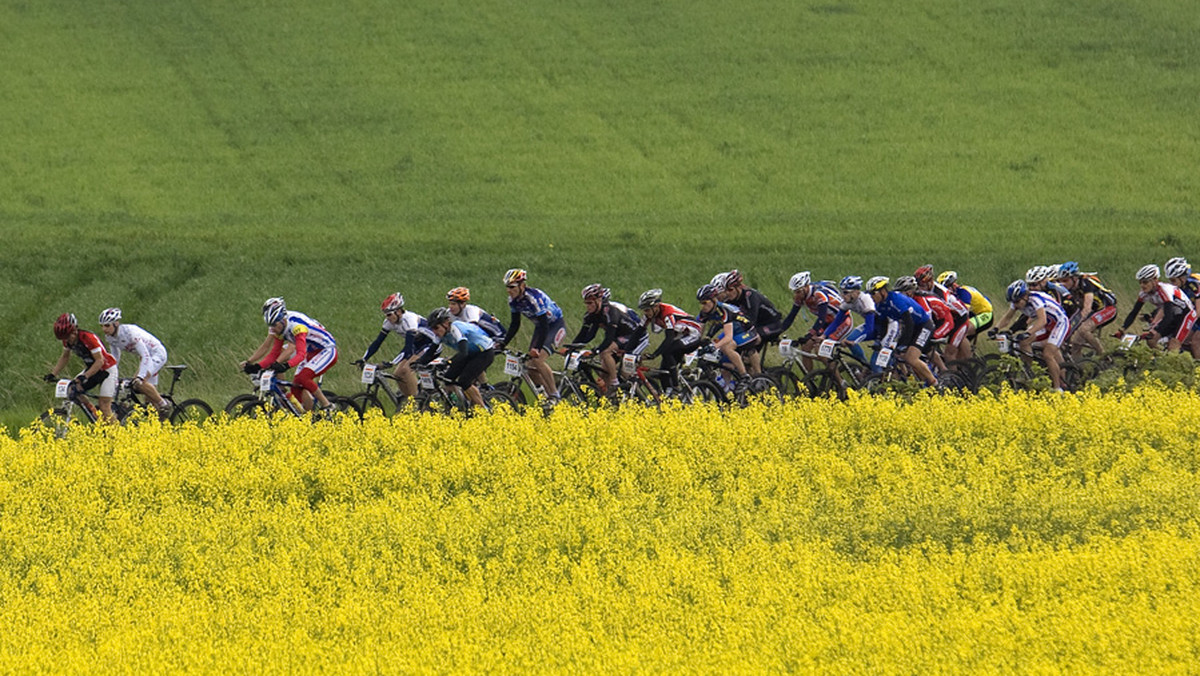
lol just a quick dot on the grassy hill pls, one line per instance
(184, 160)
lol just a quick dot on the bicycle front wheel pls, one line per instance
(246, 406)
(191, 410)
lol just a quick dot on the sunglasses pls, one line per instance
(511, 286)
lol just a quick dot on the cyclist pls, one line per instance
(761, 312)
(978, 306)
(730, 329)
(1175, 315)
(295, 340)
(1048, 325)
(854, 300)
(1179, 273)
(681, 334)
(458, 301)
(548, 331)
(99, 367)
(824, 302)
(152, 356)
(420, 344)
(1096, 307)
(960, 312)
(474, 351)
(939, 313)
(623, 330)
(909, 326)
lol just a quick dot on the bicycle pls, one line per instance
(271, 396)
(439, 394)
(378, 380)
(73, 402)
(582, 380)
(843, 370)
(709, 367)
(193, 410)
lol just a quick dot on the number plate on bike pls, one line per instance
(1128, 340)
(264, 381)
(573, 361)
(689, 358)
(1003, 345)
(62, 389)
(629, 364)
(368, 374)
(785, 348)
(884, 357)
(827, 347)
(426, 380)
(512, 365)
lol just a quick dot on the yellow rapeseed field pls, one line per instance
(1018, 533)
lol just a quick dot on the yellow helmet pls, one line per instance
(514, 276)
(947, 278)
(877, 284)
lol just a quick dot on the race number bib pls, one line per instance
(826, 349)
(689, 358)
(1128, 340)
(884, 357)
(785, 348)
(368, 374)
(629, 364)
(512, 365)
(573, 361)
(1003, 345)
(264, 381)
(62, 389)
(426, 380)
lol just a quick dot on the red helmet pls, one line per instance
(924, 273)
(65, 325)
(459, 294)
(733, 278)
(392, 303)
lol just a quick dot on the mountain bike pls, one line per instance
(193, 410)
(272, 395)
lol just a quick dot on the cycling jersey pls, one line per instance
(467, 338)
(943, 318)
(620, 324)
(823, 302)
(1090, 283)
(1178, 312)
(671, 318)
(88, 347)
(864, 306)
(152, 355)
(418, 337)
(535, 304)
(896, 305)
(478, 316)
(1191, 286)
(722, 314)
(757, 307)
(306, 333)
(975, 301)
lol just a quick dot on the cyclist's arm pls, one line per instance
(1039, 323)
(271, 342)
(1002, 323)
(1085, 305)
(586, 333)
(294, 354)
(62, 362)
(375, 344)
(610, 336)
(727, 338)
(1137, 307)
(514, 325)
(668, 338)
(791, 317)
(273, 353)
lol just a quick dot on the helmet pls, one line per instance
(439, 315)
(706, 292)
(1018, 289)
(948, 278)
(274, 310)
(720, 281)
(733, 278)
(1035, 274)
(514, 276)
(64, 325)
(110, 316)
(1178, 267)
(1148, 273)
(649, 299)
(1068, 269)
(459, 294)
(851, 283)
(879, 283)
(800, 280)
(923, 273)
(393, 303)
(906, 283)
(595, 292)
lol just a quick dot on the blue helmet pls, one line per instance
(706, 292)
(1068, 269)
(851, 283)
(1017, 290)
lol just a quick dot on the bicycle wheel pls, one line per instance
(765, 387)
(246, 406)
(434, 402)
(59, 421)
(367, 402)
(822, 383)
(579, 393)
(191, 410)
(345, 405)
(704, 391)
(495, 400)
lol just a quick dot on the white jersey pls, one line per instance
(863, 305)
(1054, 311)
(152, 355)
(409, 321)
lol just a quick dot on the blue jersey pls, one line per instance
(536, 305)
(897, 305)
(467, 338)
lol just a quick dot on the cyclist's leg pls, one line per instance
(106, 391)
(148, 372)
(406, 377)
(307, 373)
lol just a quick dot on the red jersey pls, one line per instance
(90, 348)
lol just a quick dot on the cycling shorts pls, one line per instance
(1103, 317)
(1178, 327)
(554, 336)
(464, 370)
(1053, 334)
(740, 339)
(108, 386)
(959, 331)
(914, 335)
(318, 362)
(982, 321)
(148, 368)
(631, 347)
(841, 330)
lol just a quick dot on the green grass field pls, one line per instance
(185, 160)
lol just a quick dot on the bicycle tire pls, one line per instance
(367, 402)
(821, 383)
(191, 410)
(58, 420)
(434, 402)
(346, 405)
(246, 406)
(707, 392)
(496, 399)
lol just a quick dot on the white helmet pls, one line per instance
(1177, 267)
(110, 316)
(800, 280)
(1148, 273)
(718, 281)
(1037, 273)
(274, 310)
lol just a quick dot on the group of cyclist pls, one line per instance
(921, 320)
